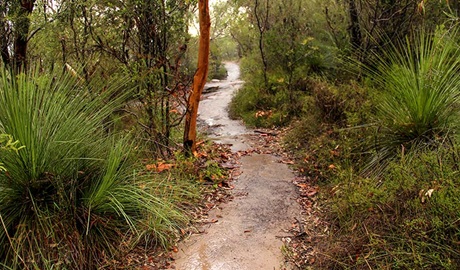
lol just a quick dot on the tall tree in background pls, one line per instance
(354, 27)
(4, 33)
(261, 15)
(144, 40)
(373, 23)
(199, 79)
(15, 32)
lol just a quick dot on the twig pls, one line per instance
(301, 228)
(11, 242)
(266, 132)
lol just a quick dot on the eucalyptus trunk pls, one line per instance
(199, 79)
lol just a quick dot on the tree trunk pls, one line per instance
(22, 26)
(354, 28)
(199, 79)
(262, 26)
(4, 29)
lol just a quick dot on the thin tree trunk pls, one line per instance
(262, 29)
(4, 44)
(199, 79)
(354, 28)
(4, 29)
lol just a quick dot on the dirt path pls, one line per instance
(248, 231)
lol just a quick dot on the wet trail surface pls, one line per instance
(247, 233)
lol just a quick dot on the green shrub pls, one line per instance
(405, 219)
(418, 108)
(331, 130)
(247, 102)
(71, 199)
(409, 220)
(217, 71)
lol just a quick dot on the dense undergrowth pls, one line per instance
(74, 193)
(384, 152)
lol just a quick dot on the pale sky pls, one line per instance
(193, 29)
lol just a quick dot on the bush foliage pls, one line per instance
(71, 197)
(382, 145)
(406, 216)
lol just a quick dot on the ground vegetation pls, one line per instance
(369, 92)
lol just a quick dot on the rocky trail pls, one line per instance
(247, 232)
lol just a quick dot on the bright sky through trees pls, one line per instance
(193, 30)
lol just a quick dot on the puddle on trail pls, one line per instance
(247, 234)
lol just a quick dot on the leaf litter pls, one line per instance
(216, 191)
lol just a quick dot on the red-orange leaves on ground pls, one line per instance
(307, 190)
(160, 167)
(150, 167)
(200, 154)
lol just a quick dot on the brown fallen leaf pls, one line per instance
(289, 162)
(334, 153)
(150, 167)
(225, 185)
(200, 143)
(160, 167)
(164, 167)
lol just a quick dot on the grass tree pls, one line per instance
(420, 80)
(70, 197)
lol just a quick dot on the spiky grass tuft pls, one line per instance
(70, 198)
(418, 107)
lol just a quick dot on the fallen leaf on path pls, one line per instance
(225, 185)
(303, 185)
(237, 173)
(312, 193)
(289, 162)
